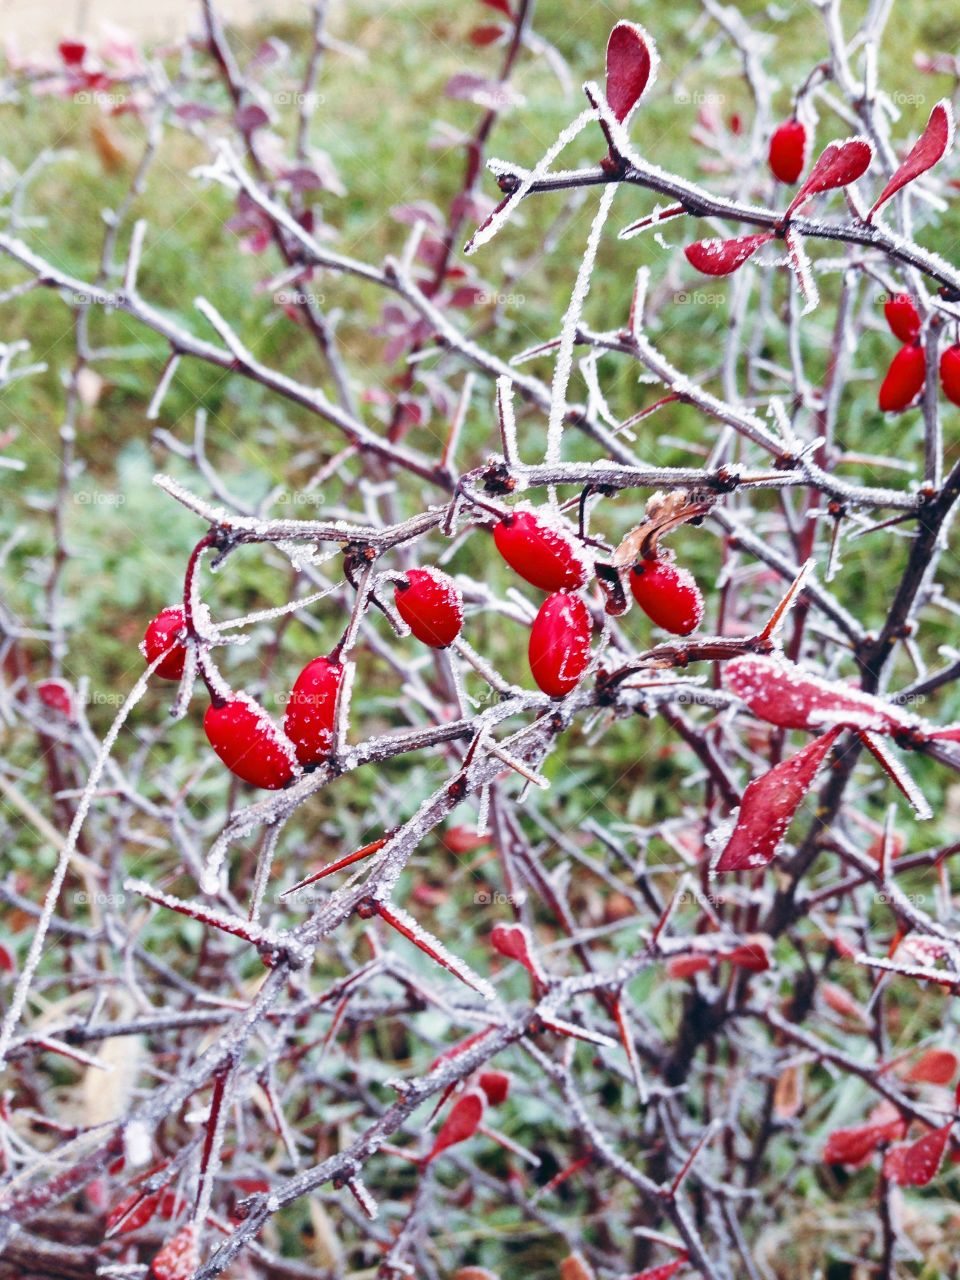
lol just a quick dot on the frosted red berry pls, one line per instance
(541, 550)
(431, 605)
(950, 373)
(668, 594)
(250, 744)
(787, 156)
(56, 695)
(160, 636)
(559, 648)
(904, 380)
(312, 710)
(902, 317)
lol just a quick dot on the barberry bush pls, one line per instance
(487, 807)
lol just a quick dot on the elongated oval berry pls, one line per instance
(668, 595)
(902, 317)
(312, 709)
(788, 151)
(160, 636)
(431, 605)
(950, 373)
(541, 550)
(250, 744)
(560, 643)
(904, 380)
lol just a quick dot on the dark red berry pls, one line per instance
(560, 643)
(72, 52)
(431, 605)
(496, 1085)
(788, 151)
(249, 743)
(668, 595)
(904, 380)
(312, 709)
(950, 373)
(160, 636)
(902, 317)
(541, 550)
(56, 695)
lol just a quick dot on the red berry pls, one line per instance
(902, 317)
(541, 550)
(312, 708)
(72, 52)
(668, 595)
(950, 373)
(904, 380)
(431, 605)
(560, 643)
(160, 635)
(249, 743)
(56, 695)
(788, 151)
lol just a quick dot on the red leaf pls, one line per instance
(840, 163)
(179, 1258)
(501, 6)
(631, 65)
(663, 1272)
(687, 966)
(481, 36)
(753, 956)
(916, 1164)
(769, 804)
(852, 1146)
(936, 1066)
(783, 694)
(462, 1122)
(496, 1085)
(926, 151)
(720, 257)
(513, 941)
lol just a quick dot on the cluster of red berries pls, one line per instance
(543, 552)
(241, 732)
(905, 378)
(539, 547)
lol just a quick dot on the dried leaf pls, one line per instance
(576, 1267)
(787, 1094)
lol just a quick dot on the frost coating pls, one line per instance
(540, 545)
(559, 648)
